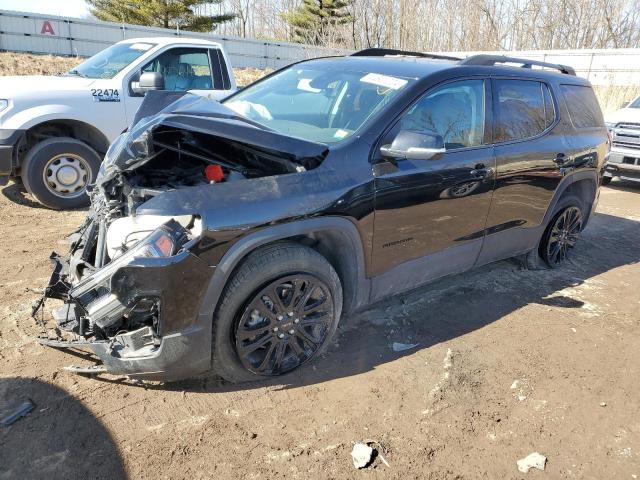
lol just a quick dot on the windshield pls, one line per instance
(635, 103)
(316, 104)
(110, 61)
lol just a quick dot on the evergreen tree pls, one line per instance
(315, 21)
(159, 13)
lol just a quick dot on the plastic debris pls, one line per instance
(533, 460)
(361, 455)
(400, 347)
(23, 410)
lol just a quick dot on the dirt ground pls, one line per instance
(508, 362)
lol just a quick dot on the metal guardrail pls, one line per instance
(50, 34)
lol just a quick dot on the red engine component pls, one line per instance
(214, 173)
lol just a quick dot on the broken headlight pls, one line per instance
(165, 241)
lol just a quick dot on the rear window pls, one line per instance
(583, 106)
(524, 109)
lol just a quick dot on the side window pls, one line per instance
(455, 111)
(523, 109)
(583, 106)
(183, 69)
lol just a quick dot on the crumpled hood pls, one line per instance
(631, 115)
(194, 113)
(28, 86)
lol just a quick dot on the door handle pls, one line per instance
(560, 159)
(481, 171)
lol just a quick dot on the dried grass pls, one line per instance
(27, 64)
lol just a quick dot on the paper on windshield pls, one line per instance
(386, 81)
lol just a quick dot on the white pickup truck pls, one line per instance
(624, 158)
(55, 130)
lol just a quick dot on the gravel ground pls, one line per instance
(508, 362)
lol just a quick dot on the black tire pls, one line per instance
(288, 262)
(606, 180)
(83, 162)
(537, 258)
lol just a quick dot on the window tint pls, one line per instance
(454, 111)
(524, 109)
(183, 69)
(583, 106)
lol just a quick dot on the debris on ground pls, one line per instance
(362, 455)
(23, 410)
(533, 460)
(603, 404)
(401, 347)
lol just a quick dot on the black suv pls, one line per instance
(234, 236)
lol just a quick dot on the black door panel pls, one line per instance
(425, 206)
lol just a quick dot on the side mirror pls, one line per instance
(148, 81)
(414, 144)
(625, 103)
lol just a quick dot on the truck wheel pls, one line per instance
(560, 236)
(278, 311)
(57, 171)
(606, 180)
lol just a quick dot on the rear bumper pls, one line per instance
(8, 141)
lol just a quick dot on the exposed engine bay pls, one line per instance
(103, 302)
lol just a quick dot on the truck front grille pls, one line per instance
(627, 135)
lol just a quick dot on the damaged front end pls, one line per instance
(132, 285)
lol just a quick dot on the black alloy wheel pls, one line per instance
(284, 324)
(562, 236)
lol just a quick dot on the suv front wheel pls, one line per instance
(278, 311)
(57, 171)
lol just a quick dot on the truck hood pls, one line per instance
(631, 115)
(16, 86)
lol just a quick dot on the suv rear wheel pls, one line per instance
(278, 311)
(57, 171)
(560, 236)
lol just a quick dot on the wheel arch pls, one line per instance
(62, 127)
(335, 238)
(582, 184)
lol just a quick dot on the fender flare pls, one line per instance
(565, 183)
(355, 284)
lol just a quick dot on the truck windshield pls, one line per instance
(110, 61)
(635, 103)
(316, 104)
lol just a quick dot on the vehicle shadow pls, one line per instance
(16, 193)
(624, 186)
(450, 308)
(59, 439)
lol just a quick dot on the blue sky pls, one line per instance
(65, 8)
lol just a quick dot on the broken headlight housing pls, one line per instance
(165, 241)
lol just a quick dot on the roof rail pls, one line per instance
(490, 60)
(381, 52)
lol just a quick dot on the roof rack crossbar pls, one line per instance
(381, 52)
(490, 60)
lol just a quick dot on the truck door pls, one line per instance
(199, 70)
(430, 214)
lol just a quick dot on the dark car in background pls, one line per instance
(234, 236)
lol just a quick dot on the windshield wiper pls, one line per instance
(77, 73)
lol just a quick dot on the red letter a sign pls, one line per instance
(47, 29)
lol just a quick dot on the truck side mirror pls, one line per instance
(148, 81)
(415, 145)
